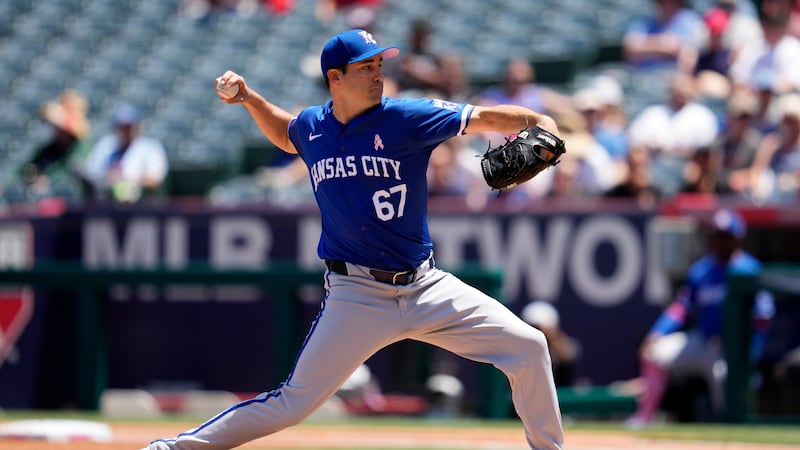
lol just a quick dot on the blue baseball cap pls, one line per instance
(729, 221)
(352, 46)
(126, 114)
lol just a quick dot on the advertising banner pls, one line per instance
(601, 272)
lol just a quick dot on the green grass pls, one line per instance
(762, 434)
(767, 433)
(787, 434)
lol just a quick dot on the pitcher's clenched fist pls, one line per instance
(231, 87)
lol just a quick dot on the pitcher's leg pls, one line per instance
(533, 390)
(465, 321)
(346, 332)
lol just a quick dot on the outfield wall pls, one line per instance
(607, 268)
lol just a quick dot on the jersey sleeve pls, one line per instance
(674, 316)
(294, 134)
(432, 121)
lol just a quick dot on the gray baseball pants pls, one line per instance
(360, 316)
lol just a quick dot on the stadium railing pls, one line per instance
(783, 280)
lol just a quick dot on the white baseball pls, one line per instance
(228, 90)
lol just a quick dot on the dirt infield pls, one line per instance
(315, 436)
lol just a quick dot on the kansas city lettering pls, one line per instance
(346, 166)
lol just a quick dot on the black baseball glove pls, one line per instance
(521, 158)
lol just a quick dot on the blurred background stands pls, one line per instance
(150, 54)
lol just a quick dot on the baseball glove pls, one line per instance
(521, 158)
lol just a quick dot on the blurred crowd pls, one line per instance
(728, 124)
(725, 122)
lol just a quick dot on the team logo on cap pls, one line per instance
(368, 37)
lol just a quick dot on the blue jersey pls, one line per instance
(369, 177)
(705, 292)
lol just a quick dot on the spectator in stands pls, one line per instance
(673, 130)
(454, 171)
(594, 172)
(701, 173)
(565, 181)
(794, 20)
(636, 180)
(737, 143)
(671, 349)
(777, 8)
(206, 10)
(714, 59)
(722, 168)
(677, 126)
(356, 13)
(417, 69)
(771, 67)
(715, 56)
(565, 350)
(451, 81)
(666, 39)
(126, 166)
(56, 167)
(775, 173)
(601, 103)
(519, 87)
(455, 83)
(278, 7)
(742, 25)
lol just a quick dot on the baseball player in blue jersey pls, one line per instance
(367, 157)
(667, 349)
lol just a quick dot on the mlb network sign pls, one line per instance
(597, 268)
(604, 259)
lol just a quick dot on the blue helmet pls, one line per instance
(729, 221)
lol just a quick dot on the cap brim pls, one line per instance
(386, 52)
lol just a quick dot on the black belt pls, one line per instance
(397, 278)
